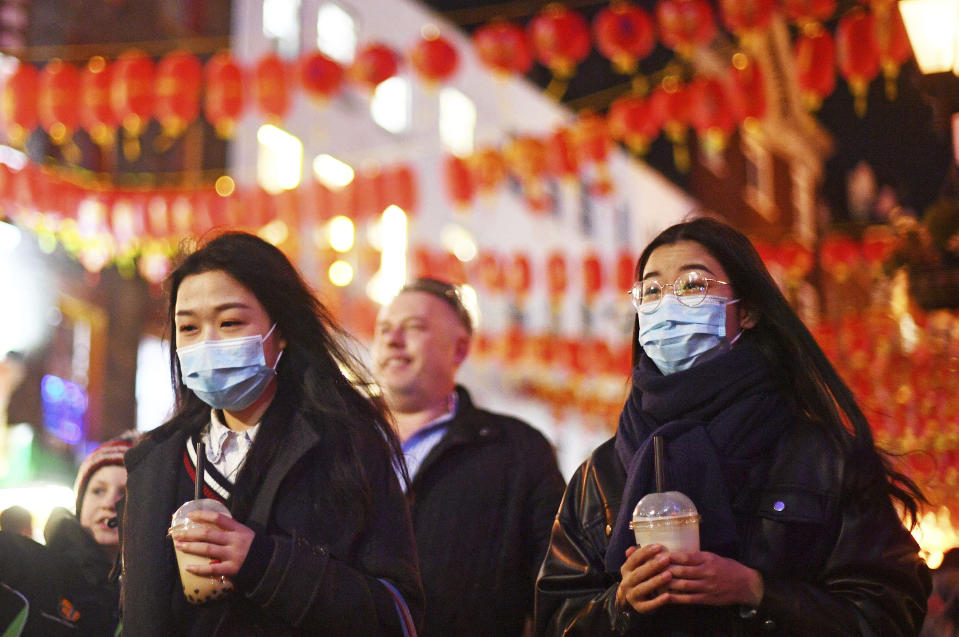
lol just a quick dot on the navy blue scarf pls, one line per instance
(719, 421)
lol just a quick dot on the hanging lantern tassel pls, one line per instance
(96, 111)
(177, 93)
(632, 121)
(857, 52)
(894, 47)
(556, 283)
(19, 104)
(223, 100)
(59, 84)
(131, 93)
(560, 41)
(814, 54)
(711, 115)
(526, 159)
(624, 35)
(670, 103)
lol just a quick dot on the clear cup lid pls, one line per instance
(668, 504)
(181, 520)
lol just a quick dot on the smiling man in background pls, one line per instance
(485, 487)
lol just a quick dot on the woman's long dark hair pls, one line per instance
(309, 374)
(794, 355)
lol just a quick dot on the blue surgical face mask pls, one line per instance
(227, 374)
(677, 337)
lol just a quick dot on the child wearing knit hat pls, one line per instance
(67, 581)
(100, 483)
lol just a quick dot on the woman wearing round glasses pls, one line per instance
(798, 533)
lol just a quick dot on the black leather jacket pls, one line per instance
(832, 563)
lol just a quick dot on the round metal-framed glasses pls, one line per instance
(690, 289)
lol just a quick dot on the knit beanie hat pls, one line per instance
(109, 453)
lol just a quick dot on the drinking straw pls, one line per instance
(659, 464)
(200, 461)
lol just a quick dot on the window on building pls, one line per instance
(336, 35)
(281, 23)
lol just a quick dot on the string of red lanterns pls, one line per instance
(128, 92)
(115, 223)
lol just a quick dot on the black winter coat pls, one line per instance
(484, 500)
(65, 582)
(832, 563)
(321, 572)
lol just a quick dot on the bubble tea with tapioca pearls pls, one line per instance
(198, 589)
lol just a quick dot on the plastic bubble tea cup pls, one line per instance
(668, 518)
(198, 589)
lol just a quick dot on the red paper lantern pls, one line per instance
(747, 89)
(796, 259)
(561, 154)
(434, 59)
(592, 275)
(399, 187)
(131, 91)
(878, 242)
(502, 46)
(178, 78)
(422, 265)
(96, 110)
(591, 135)
(451, 268)
(559, 38)
(373, 64)
(624, 35)
(459, 181)
(815, 69)
(526, 159)
(320, 76)
(271, 87)
(838, 254)
(746, 16)
(556, 277)
(803, 12)
(685, 24)
(711, 112)
(223, 101)
(490, 272)
(57, 107)
(488, 169)
(894, 48)
(20, 103)
(625, 271)
(368, 197)
(632, 121)
(671, 105)
(857, 53)
(518, 275)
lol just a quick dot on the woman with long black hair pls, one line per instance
(798, 531)
(319, 541)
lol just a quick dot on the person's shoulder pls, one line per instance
(810, 453)
(601, 462)
(153, 439)
(505, 424)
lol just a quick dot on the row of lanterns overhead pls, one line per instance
(868, 39)
(102, 224)
(104, 96)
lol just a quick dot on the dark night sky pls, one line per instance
(895, 137)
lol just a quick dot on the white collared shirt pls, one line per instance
(227, 449)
